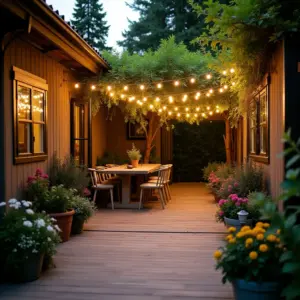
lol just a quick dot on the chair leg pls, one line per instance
(141, 198)
(169, 191)
(165, 194)
(95, 195)
(112, 198)
(161, 198)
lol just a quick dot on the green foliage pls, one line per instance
(134, 153)
(252, 255)
(66, 172)
(89, 20)
(24, 233)
(83, 207)
(211, 167)
(159, 20)
(111, 158)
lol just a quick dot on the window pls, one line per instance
(259, 127)
(30, 95)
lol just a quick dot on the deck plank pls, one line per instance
(152, 254)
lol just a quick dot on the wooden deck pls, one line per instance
(152, 254)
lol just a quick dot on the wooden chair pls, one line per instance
(156, 185)
(98, 183)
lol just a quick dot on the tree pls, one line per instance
(143, 86)
(159, 20)
(89, 20)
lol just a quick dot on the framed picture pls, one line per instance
(135, 132)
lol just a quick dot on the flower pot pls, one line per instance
(135, 163)
(244, 290)
(64, 222)
(77, 224)
(235, 223)
(26, 270)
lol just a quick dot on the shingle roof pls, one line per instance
(72, 27)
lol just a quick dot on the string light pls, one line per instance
(203, 114)
(125, 88)
(109, 88)
(187, 109)
(208, 107)
(198, 108)
(111, 94)
(164, 108)
(171, 99)
(122, 96)
(208, 76)
(231, 70)
(217, 111)
(159, 85)
(151, 106)
(160, 110)
(225, 87)
(170, 113)
(187, 115)
(196, 115)
(208, 94)
(178, 115)
(192, 80)
(233, 83)
(211, 91)
(93, 87)
(142, 87)
(198, 94)
(76, 85)
(184, 97)
(157, 99)
(221, 90)
(211, 113)
(176, 83)
(224, 72)
(144, 99)
(176, 108)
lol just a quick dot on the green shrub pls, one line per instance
(83, 207)
(211, 167)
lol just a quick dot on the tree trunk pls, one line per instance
(149, 139)
(227, 140)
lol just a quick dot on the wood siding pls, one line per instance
(274, 171)
(26, 57)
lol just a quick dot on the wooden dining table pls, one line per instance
(126, 174)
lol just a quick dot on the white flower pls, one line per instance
(50, 228)
(15, 250)
(40, 223)
(2, 204)
(29, 211)
(49, 239)
(57, 228)
(12, 201)
(34, 251)
(15, 205)
(27, 223)
(26, 203)
(53, 220)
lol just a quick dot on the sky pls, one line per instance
(117, 14)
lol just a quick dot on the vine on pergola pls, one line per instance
(171, 83)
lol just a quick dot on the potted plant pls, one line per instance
(250, 261)
(25, 238)
(229, 208)
(84, 209)
(135, 155)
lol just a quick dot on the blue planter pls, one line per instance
(244, 290)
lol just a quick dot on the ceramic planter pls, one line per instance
(27, 270)
(77, 224)
(135, 163)
(244, 290)
(64, 222)
(235, 223)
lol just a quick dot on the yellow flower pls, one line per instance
(278, 231)
(263, 248)
(231, 229)
(259, 224)
(248, 232)
(260, 237)
(229, 237)
(249, 241)
(245, 228)
(218, 254)
(253, 255)
(278, 240)
(266, 225)
(271, 238)
(240, 235)
(232, 241)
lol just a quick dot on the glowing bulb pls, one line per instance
(140, 103)
(233, 83)
(76, 85)
(170, 113)
(109, 88)
(178, 115)
(187, 109)
(111, 94)
(157, 99)
(231, 70)
(211, 113)
(198, 108)
(192, 80)
(221, 90)
(225, 87)
(171, 99)
(164, 108)
(176, 83)
(208, 94)
(217, 106)
(151, 106)
(196, 115)
(208, 108)
(93, 87)
(176, 108)
(208, 76)
(187, 115)
(122, 96)
(125, 88)
(159, 85)
(160, 110)
(198, 94)
(203, 114)
(217, 111)
(184, 98)
(144, 99)
(142, 87)
(224, 72)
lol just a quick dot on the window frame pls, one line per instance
(258, 155)
(34, 83)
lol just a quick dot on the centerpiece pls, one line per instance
(135, 155)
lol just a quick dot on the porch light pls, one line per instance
(93, 87)
(76, 85)
(243, 215)
(208, 76)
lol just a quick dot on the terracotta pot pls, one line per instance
(135, 163)
(64, 222)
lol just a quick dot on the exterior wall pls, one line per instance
(99, 139)
(275, 169)
(26, 57)
(117, 137)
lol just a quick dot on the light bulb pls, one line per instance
(76, 85)
(198, 94)
(184, 98)
(170, 113)
(208, 94)
(93, 87)
(217, 106)
(160, 110)
(197, 109)
(159, 85)
(211, 113)
(186, 109)
(111, 94)
(164, 108)
(171, 99)
(196, 115)
(233, 83)
(125, 88)
(176, 108)
(178, 115)
(176, 83)
(225, 87)
(192, 80)
(151, 106)
(208, 107)
(232, 70)
(142, 87)
(157, 99)
(224, 72)
(217, 111)
(144, 99)
(109, 88)
(208, 76)
(221, 90)
(122, 96)
(187, 115)
(140, 103)
(211, 91)
(203, 114)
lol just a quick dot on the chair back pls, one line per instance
(93, 176)
(162, 175)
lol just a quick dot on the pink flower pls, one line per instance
(30, 179)
(221, 213)
(86, 192)
(238, 203)
(45, 176)
(38, 172)
(236, 184)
